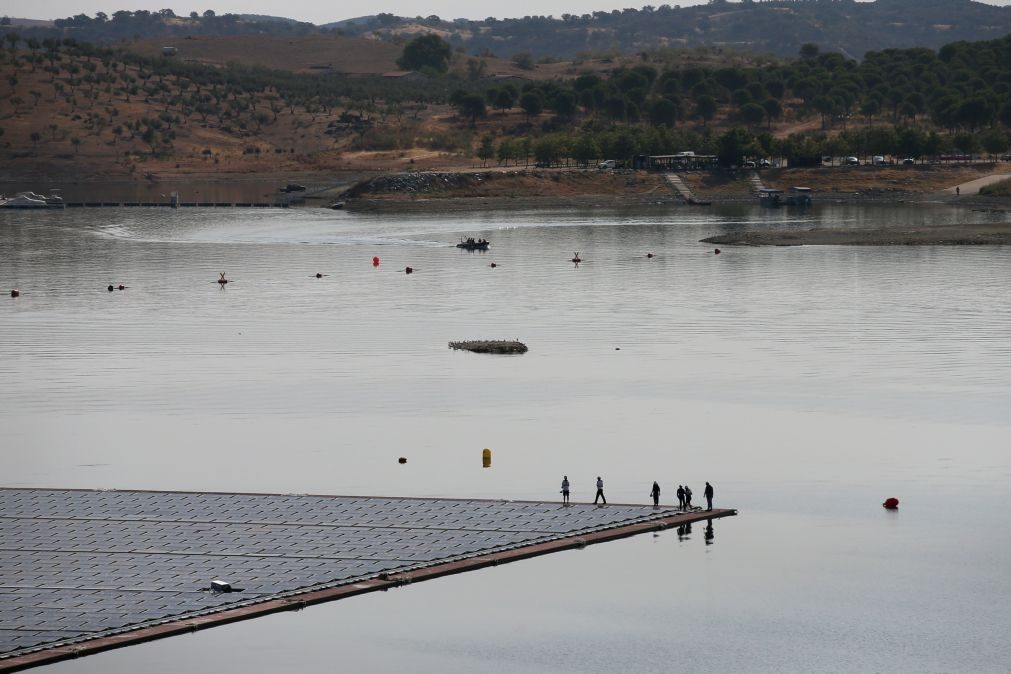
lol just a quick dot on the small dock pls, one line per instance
(87, 571)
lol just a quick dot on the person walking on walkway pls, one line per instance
(708, 493)
(688, 498)
(565, 490)
(655, 493)
(600, 491)
(681, 497)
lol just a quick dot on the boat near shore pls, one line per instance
(32, 200)
(473, 244)
(773, 198)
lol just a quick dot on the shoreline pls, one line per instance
(969, 234)
(497, 188)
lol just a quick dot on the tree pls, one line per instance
(994, 141)
(705, 108)
(523, 61)
(752, 114)
(773, 109)
(585, 150)
(472, 107)
(532, 104)
(486, 150)
(736, 144)
(564, 104)
(663, 112)
(426, 51)
(809, 51)
(505, 98)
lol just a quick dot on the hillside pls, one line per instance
(777, 26)
(74, 108)
(774, 27)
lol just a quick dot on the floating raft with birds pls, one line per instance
(490, 346)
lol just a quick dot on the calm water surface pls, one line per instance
(806, 383)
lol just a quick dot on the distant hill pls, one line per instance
(779, 26)
(768, 27)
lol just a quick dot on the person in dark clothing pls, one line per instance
(688, 498)
(655, 493)
(709, 496)
(565, 490)
(600, 491)
(681, 497)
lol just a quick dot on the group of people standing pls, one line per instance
(684, 494)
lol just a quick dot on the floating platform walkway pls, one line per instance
(87, 571)
(181, 204)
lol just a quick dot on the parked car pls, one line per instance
(748, 164)
(878, 160)
(908, 161)
(293, 187)
(852, 161)
(607, 164)
(765, 163)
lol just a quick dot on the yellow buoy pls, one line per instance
(486, 458)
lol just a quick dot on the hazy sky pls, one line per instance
(320, 11)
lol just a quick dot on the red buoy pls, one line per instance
(121, 287)
(717, 251)
(493, 265)
(15, 292)
(375, 262)
(891, 503)
(649, 255)
(408, 270)
(402, 460)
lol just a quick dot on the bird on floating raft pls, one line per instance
(490, 346)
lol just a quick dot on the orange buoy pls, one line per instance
(717, 251)
(15, 292)
(375, 262)
(891, 503)
(402, 460)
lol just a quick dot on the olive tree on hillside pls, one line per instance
(426, 51)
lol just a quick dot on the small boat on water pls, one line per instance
(473, 244)
(32, 200)
(773, 198)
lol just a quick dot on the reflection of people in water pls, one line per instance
(709, 534)
(684, 531)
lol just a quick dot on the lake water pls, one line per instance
(807, 384)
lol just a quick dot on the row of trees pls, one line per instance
(588, 145)
(965, 86)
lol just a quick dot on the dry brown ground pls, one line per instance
(838, 180)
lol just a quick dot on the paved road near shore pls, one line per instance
(972, 187)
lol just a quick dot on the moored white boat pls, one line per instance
(32, 200)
